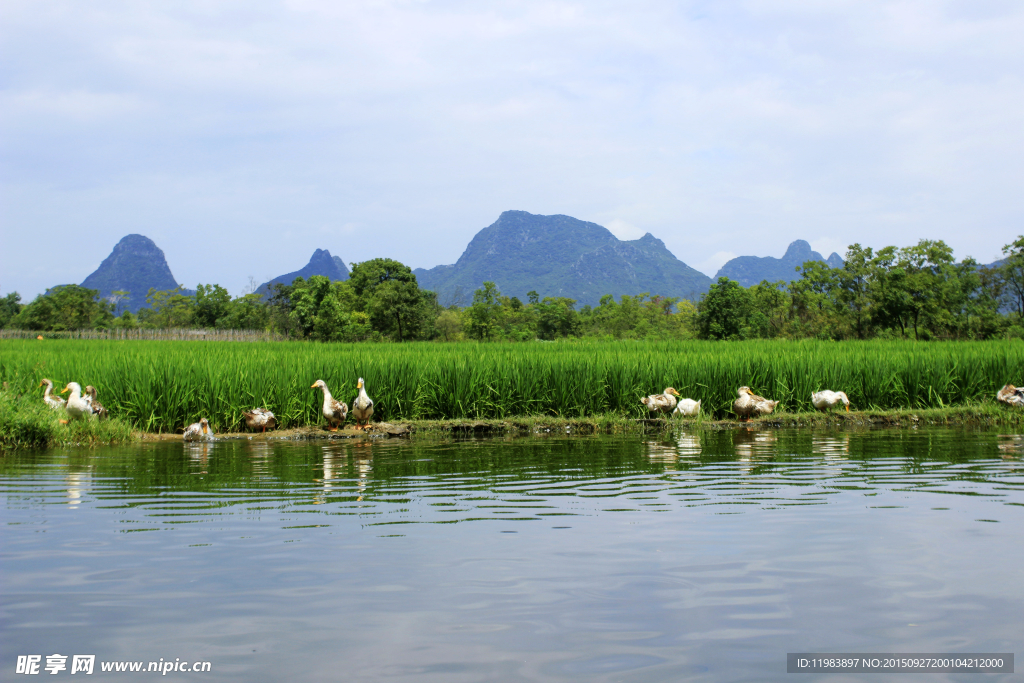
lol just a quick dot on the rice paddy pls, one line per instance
(160, 386)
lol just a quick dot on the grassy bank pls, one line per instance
(25, 422)
(160, 386)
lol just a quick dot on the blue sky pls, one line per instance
(241, 136)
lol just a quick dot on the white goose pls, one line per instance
(55, 402)
(687, 406)
(78, 408)
(362, 407)
(198, 431)
(334, 410)
(661, 403)
(750, 403)
(824, 400)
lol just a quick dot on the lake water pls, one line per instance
(696, 557)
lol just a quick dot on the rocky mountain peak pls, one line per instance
(135, 265)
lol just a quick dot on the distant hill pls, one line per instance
(751, 270)
(135, 265)
(320, 263)
(561, 256)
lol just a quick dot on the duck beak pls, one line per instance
(359, 385)
(847, 408)
(42, 384)
(66, 389)
(313, 387)
(204, 429)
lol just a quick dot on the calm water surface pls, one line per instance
(697, 557)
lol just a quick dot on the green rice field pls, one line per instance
(160, 386)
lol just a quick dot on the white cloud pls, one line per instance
(624, 230)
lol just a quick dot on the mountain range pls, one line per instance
(751, 270)
(320, 263)
(561, 256)
(520, 252)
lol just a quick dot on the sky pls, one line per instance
(241, 136)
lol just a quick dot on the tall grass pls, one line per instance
(26, 422)
(163, 385)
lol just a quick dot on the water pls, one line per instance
(699, 557)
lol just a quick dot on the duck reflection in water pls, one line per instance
(199, 451)
(1012, 446)
(664, 453)
(259, 456)
(77, 483)
(688, 444)
(334, 463)
(831, 445)
(755, 447)
(669, 452)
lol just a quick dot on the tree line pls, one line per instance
(918, 292)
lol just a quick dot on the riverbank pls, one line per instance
(27, 423)
(541, 425)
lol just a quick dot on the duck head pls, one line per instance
(205, 425)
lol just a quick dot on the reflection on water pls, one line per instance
(691, 555)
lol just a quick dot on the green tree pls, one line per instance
(212, 303)
(557, 318)
(815, 311)
(484, 313)
(1012, 271)
(449, 324)
(770, 304)
(387, 291)
(10, 306)
(322, 310)
(65, 307)
(168, 309)
(125, 321)
(247, 312)
(724, 312)
(854, 289)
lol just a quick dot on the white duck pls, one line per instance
(824, 400)
(260, 417)
(1011, 395)
(334, 410)
(78, 408)
(750, 403)
(687, 406)
(362, 407)
(198, 431)
(664, 402)
(55, 402)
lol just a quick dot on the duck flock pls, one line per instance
(750, 404)
(83, 404)
(746, 406)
